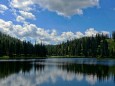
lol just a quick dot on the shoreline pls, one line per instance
(33, 57)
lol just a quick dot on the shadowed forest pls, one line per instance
(98, 46)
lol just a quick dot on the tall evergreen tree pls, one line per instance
(113, 35)
(13, 47)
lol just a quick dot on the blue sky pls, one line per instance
(52, 21)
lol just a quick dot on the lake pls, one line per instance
(57, 72)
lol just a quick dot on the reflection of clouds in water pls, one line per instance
(79, 76)
(35, 78)
(69, 76)
(16, 80)
(92, 79)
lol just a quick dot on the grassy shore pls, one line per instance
(80, 57)
(67, 56)
(22, 57)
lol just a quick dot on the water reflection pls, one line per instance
(57, 72)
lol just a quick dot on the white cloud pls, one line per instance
(67, 35)
(79, 34)
(32, 32)
(24, 5)
(27, 15)
(3, 8)
(20, 19)
(66, 7)
(54, 33)
(5, 27)
(91, 32)
(22, 10)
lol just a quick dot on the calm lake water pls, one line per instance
(57, 72)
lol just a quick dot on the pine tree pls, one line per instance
(113, 35)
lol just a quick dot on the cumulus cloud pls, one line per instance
(91, 32)
(27, 15)
(24, 5)
(24, 15)
(67, 35)
(20, 19)
(22, 10)
(66, 7)
(79, 34)
(3, 8)
(32, 32)
(5, 27)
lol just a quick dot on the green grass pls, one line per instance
(4, 57)
(67, 56)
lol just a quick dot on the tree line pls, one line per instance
(98, 46)
(13, 47)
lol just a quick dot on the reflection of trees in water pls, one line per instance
(101, 71)
(8, 68)
(38, 67)
(112, 71)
